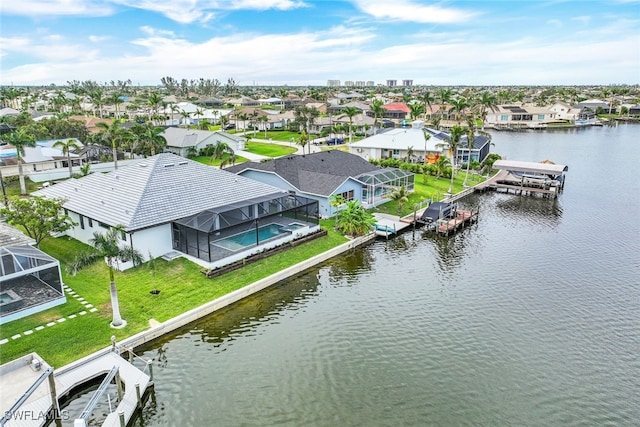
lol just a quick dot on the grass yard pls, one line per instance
(269, 150)
(283, 135)
(206, 160)
(182, 287)
(434, 188)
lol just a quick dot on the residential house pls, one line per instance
(520, 116)
(168, 205)
(480, 147)
(319, 176)
(396, 143)
(42, 157)
(183, 142)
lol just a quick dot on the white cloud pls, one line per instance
(56, 7)
(407, 10)
(98, 39)
(150, 31)
(555, 23)
(189, 11)
(583, 19)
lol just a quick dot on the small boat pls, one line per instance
(384, 230)
(438, 210)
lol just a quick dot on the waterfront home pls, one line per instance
(167, 204)
(182, 141)
(396, 143)
(480, 148)
(520, 117)
(319, 176)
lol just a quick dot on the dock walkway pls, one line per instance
(75, 376)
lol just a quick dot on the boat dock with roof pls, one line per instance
(545, 178)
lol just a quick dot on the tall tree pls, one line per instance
(427, 100)
(115, 134)
(378, 111)
(458, 106)
(454, 142)
(471, 131)
(40, 217)
(487, 102)
(67, 147)
(20, 139)
(350, 112)
(150, 139)
(415, 110)
(107, 246)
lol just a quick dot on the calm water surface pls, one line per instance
(530, 317)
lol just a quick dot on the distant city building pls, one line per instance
(360, 83)
(348, 83)
(407, 83)
(333, 83)
(370, 83)
(392, 83)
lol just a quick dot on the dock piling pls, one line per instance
(121, 418)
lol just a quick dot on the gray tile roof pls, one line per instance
(10, 236)
(318, 173)
(156, 190)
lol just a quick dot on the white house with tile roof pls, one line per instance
(167, 203)
(180, 140)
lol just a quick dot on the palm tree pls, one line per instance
(185, 115)
(219, 152)
(151, 140)
(458, 106)
(66, 148)
(435, 121)
(487, 102)
(427, 100)
(416, 110)
(115, 134)
(350, 112)
(264, 119)
(445, 97)
(454, 141)
(471, 127)
(335, 201)
(20, 139)
(410, 153)
(154, 101)
(107, 246)
(378, 112)
(303, 141)
(442, 163)
(116, 100)
(399, 195)
(355, 220)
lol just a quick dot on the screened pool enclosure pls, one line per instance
(235, 231)
(30, 282)
(379, 183)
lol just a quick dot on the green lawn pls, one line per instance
(182, 287)
(283, 135)
(206, 160)
(269, 150)
(434, 188)
(12, 185)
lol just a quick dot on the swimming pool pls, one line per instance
(248, 238)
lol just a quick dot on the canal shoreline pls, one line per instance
(160, 329)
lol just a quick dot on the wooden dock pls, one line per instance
(389, 225)
(462, 219)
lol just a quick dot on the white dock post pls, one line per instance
(121, 417)
(150, 363)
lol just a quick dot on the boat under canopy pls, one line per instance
(436, 211)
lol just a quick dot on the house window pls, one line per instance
(123, 234)
(90, 222)
(396, 152)
(347, 195)
(103, 225)
(540, 116)
(504, 118)
(81, 221)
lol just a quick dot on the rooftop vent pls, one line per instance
(169, 165)
(183, 163)
(143, 165)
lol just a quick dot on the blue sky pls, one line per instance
(307, 42)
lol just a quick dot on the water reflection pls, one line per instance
(347, 268)
(242, 318)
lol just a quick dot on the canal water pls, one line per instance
(529, 318)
